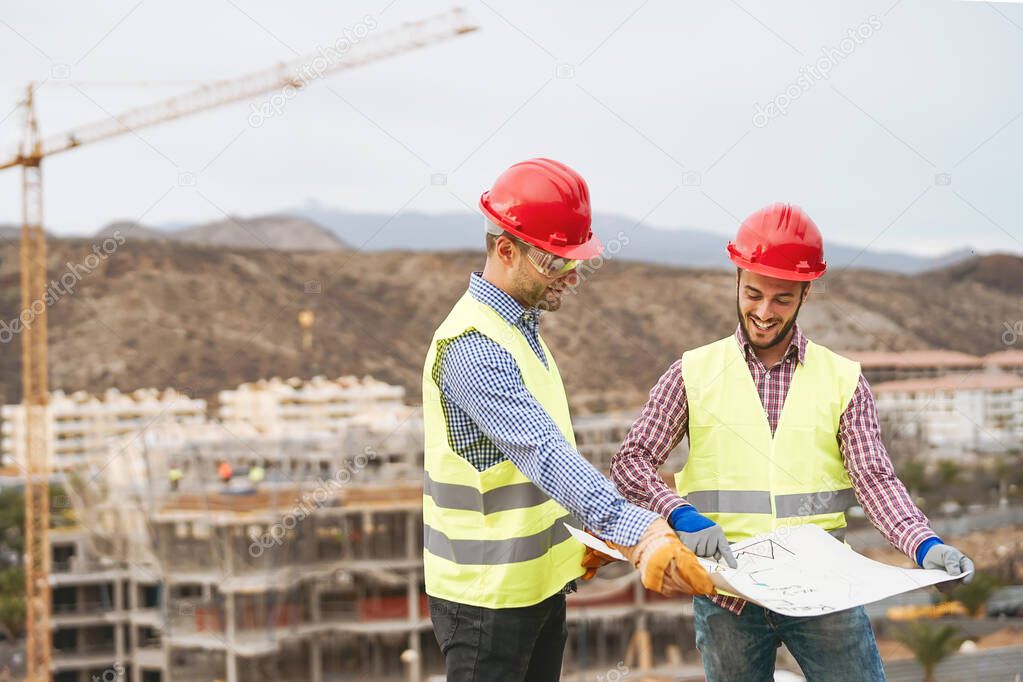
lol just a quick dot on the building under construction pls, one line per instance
(310, 571)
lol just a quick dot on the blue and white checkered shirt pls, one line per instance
(491, 417)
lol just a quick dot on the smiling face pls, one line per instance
(767, 308)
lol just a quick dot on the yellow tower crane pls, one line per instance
(35, 394)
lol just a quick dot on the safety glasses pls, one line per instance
(546, 263)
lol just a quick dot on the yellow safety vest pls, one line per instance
(492, 538)
(740, 476)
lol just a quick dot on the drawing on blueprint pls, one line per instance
(802, 571)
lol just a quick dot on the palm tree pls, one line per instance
(974, 594)
(1007, 470)
(949, 472)
(913, 473)
(930, 643)
(12, 602)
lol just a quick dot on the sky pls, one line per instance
(897, 125)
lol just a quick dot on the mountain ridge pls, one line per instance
(204, 318)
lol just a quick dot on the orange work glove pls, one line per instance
(665, 564)
(594, 559)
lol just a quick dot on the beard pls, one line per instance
(543, 295)
(782, 334)
(550, 301)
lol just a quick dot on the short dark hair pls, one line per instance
(491, 240)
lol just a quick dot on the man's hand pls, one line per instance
(711, 543)
(703, 536)
(952, 561)
(665, 564)
(594, 559)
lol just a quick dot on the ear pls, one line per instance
(505, 250)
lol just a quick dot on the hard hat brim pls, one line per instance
(588, 249)
(585, 251)
(777, 273)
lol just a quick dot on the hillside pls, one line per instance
(201, 319)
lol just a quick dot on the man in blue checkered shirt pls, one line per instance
(493, 400)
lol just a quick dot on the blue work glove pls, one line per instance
(700, 534)
(949, 559)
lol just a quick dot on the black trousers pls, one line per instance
(501, 645)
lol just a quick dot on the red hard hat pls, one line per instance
(547, 204)
(779, 241)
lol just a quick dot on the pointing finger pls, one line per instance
(726, 553)
(967, 567)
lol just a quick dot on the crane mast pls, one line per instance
(35, 446)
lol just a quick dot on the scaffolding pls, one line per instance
(310, 572)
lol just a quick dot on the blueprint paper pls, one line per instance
(594, 543)
(803, 571)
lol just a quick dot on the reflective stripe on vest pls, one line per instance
(809, 504)
(469, 498)
(732, 501)
(489, 552)
(492, 538)
(759, 502)
(738, 473)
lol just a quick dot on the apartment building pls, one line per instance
(957, 414)
(83, 425)
(883, 366)
(1009, 361)
(319, 405)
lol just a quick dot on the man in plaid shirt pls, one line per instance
(778, 251)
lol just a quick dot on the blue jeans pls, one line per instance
(839, 646)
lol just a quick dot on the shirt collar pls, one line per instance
(510, 310)
(797, 345)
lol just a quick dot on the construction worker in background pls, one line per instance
(175, 478)
(502, 470)
(256, 474)
(754, 467)
(225, 472)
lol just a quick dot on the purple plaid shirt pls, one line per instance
(664, 421)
